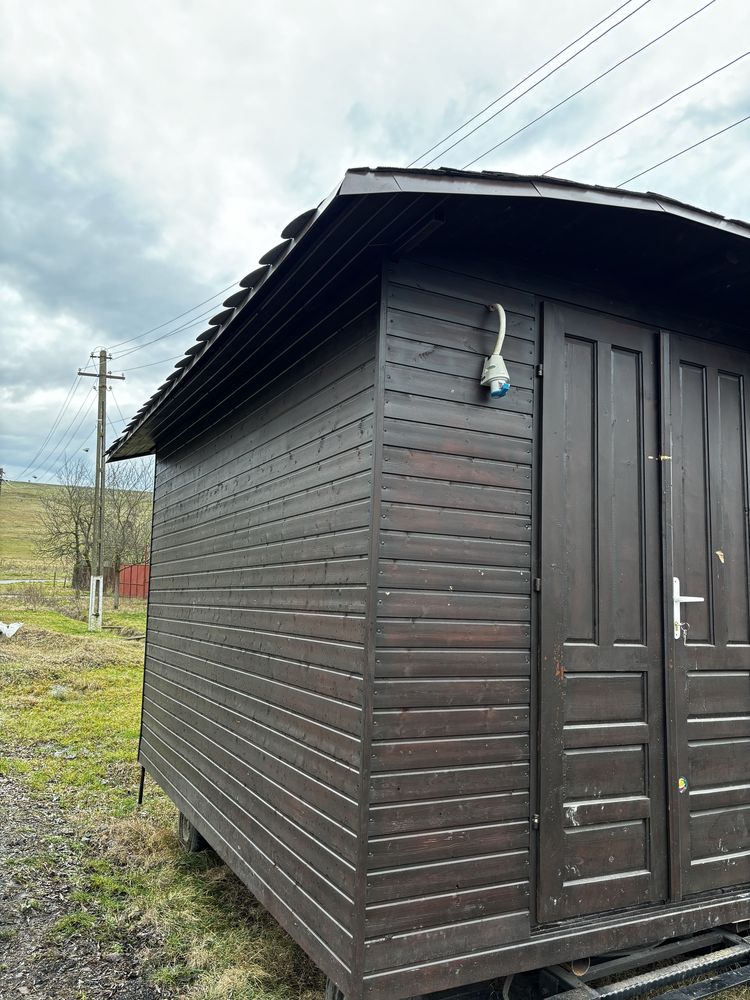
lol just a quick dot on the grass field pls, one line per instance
(69, 718)
(20, 507)
(69, 721)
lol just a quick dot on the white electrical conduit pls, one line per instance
(495, 372)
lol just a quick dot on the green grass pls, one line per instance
(207, 937)
(45, 618)
(20, 509)
(131, 614)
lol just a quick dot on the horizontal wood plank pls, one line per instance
(446, 813)
(429, 911)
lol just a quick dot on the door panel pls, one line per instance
(712, 664)
(602, 794)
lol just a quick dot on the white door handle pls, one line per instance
(677, 600)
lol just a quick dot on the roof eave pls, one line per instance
(383, 180)
(368, 181)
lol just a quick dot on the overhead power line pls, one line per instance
(31, 467)
(166, 322)
(687, 149)
(42, 456)
(197, 321)
(644, 114)
(63, 443)
(596, 79)
(151, 364)
(534, 85)
(114, 400)
(528, 76)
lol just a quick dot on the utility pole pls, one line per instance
(96, 587)
(2, 473)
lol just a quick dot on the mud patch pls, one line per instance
(47, 950)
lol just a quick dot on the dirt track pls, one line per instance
(35, 961)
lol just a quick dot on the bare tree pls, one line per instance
(68, 513)
(127, 516)
(67, 520)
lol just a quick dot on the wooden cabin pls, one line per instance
(411, 665)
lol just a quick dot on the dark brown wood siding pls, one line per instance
(448, 852)
(252, 714)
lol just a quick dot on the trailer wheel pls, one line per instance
(189, 838)
(332, 991)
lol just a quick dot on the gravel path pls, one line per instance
(33, 897)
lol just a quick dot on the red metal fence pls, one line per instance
(134, 580)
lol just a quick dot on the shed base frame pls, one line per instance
(576, 939)
(724, 955)
(723, 962)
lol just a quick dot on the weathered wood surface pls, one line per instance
(448, 854)
(252, 715)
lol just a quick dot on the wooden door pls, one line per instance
(712, 664)
(602, 821)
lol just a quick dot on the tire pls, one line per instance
(190, 840)
(332, 991)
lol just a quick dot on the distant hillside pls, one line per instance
(20, 509)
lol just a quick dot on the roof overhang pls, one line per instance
(403, 203)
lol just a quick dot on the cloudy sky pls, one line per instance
(150, 153)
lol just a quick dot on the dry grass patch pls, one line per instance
(220, 939)
(69, 722)
(40, 661)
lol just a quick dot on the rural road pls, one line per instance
(39, 865)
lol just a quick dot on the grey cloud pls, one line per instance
(138, 168)
(76, 242)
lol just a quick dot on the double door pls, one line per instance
(644, 739)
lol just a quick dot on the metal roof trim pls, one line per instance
(387, 180)
(408, 182)
(700, 215)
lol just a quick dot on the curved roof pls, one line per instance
(299, 238)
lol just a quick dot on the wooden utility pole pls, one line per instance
(96, 587)
(2, 474)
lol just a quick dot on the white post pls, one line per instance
(96, 596)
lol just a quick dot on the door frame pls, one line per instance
(674, 764)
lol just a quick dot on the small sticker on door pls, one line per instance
(682, 785)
